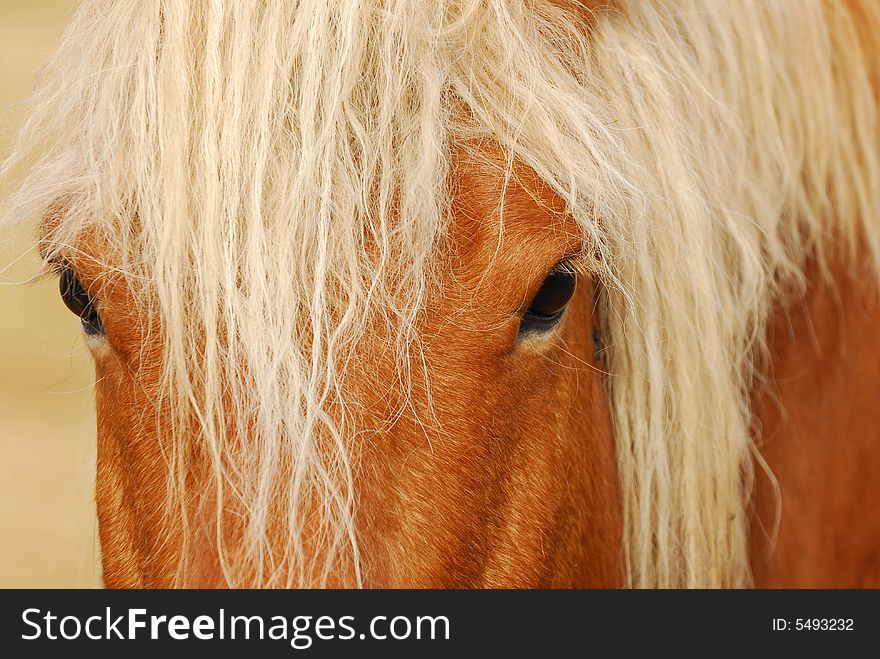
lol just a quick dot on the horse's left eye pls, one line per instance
(550, 302)
(78, 301)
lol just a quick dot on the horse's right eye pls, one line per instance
(79, 302)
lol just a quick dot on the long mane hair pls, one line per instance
(273, 176)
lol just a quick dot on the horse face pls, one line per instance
(508, 477)
(495, 469)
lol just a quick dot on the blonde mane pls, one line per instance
(273, 177)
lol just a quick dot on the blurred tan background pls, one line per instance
(47, 426)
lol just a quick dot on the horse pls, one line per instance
(474, 293)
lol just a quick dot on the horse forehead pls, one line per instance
(507, 215)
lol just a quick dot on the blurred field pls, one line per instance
(47, 437)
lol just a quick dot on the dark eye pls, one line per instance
(78, 301)
(549, 304)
